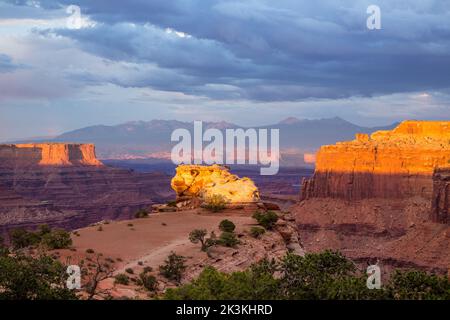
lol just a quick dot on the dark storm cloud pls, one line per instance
(271, 51)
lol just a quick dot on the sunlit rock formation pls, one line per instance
(202, 182)
(65, 185)
(382, 198)
(48, 154)
(387, 164)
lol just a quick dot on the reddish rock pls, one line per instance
(388, 164)
(441, 196)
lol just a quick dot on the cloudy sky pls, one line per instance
(250, 62)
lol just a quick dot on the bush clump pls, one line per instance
(266, 219)
(216, 203)
(228, 239)
(257, 232)
(52, 238)
(173, 267)
(148, 281)
(317, 276)
(227, 226)
(122, 279)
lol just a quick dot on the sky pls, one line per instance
(251, 62)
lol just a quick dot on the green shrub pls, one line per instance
(215, 203)
(266, 219)
(142, 213)
(21, 238)
(57, 239)
(147, 269)
(227, 226)
(33, 278)
(90, 251)
(173, 267)
(122, 279)
(129, 270)
(148, 281)
(256, 232)
(52, 238)
(228, 239)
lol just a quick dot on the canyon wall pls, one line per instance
(52, 154)
(387, 164)
(441, 196)
(383, 197)
(65, 185)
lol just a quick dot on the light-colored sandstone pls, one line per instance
(196, 181)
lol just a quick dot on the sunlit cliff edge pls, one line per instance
(48, 154)
(389, 164)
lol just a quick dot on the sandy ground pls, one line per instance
(151, 240)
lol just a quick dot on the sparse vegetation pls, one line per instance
(215, 203)
(174, 267)
(266, 219)
(227, 226)
(33, 278)
(148, 281)
(257, 232)
(198, 235)
(122, 278)
(228, 239)
(320, 276)
(100, 228)
(51, 238)
(129, 270)
(90, 251)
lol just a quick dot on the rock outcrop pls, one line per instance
(387, 164)
(65, 185)
(202, 182)
(372, 197)
(441, 196)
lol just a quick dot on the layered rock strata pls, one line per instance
(393, 164)
(378, 198)
(65, 185)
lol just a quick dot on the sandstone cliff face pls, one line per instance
(441, 196)
(65, 185)
(388, 164)
(195, 181)
(371, 198)
(52, 154)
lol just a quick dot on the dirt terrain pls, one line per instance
(147, 242)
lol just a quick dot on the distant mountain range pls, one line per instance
(151, 139)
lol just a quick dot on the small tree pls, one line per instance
(148, 281)
(216, 203)
(57, 239)
(227, 226)
(198, 235)
(266, 219)
(3, 248)
(173, 267)
(21, 238)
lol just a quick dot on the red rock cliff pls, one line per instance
(388, 164)
(52, 154)
(441, 196)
